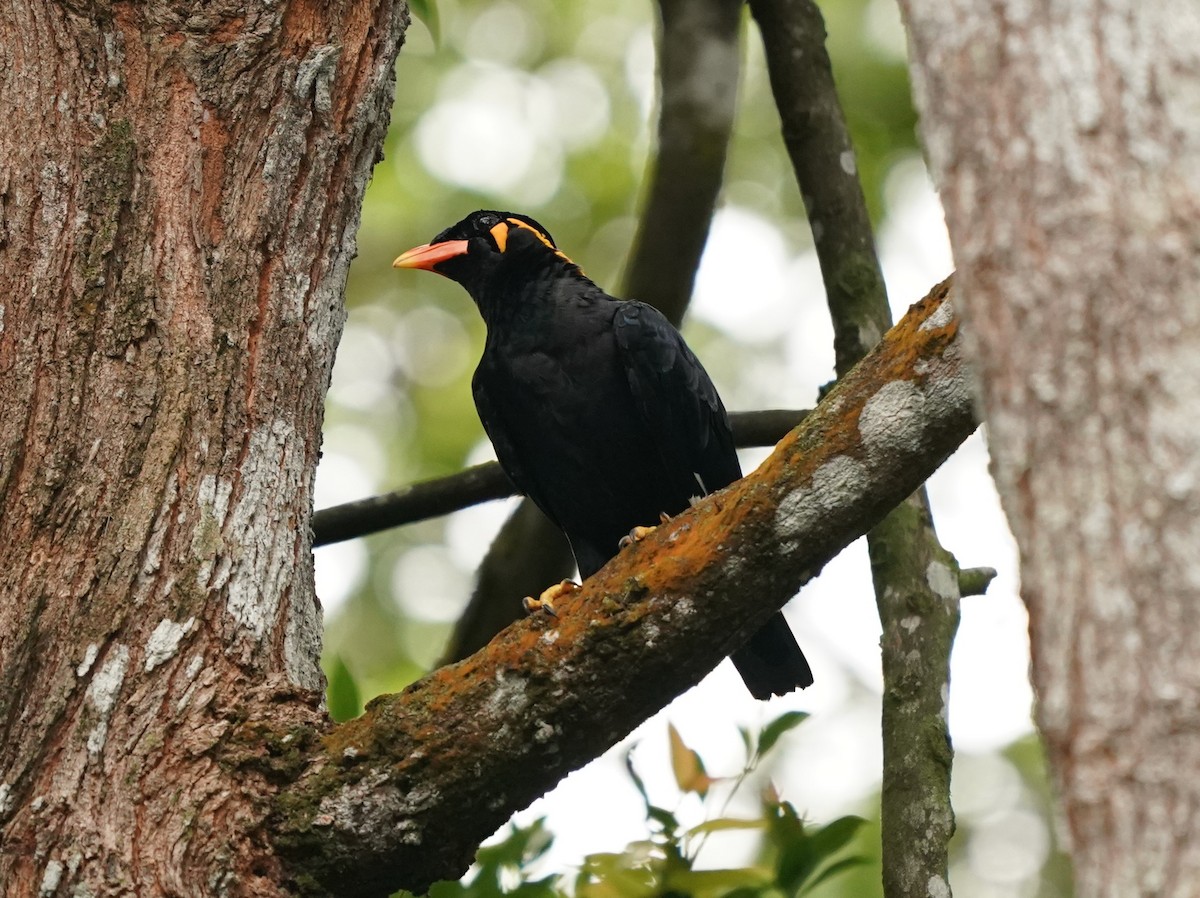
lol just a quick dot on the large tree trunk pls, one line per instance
(1065, 141)
(178, 200)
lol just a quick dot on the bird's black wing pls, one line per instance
(677, 402)
(690, 428)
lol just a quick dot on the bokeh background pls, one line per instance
(549, 109)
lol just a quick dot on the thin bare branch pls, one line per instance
(485, 482)
(412, 503)
(916, 583)
(697, 100)
(974, 581)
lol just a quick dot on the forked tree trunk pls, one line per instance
(1065, 141)
(180, 186)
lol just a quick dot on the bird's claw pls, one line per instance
(545, 602)
(637, 534)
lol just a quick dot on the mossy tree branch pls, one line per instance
(403, 795)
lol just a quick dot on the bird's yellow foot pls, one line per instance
(637, 534)
(545, 602)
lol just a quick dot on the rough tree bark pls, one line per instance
(1065, 141)
(179, 193)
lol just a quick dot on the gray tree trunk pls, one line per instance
(1065, 142)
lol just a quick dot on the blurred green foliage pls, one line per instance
(795, 858)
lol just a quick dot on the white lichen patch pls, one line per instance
(164, 641)
(315, 75)
(302, 641)
(6, 799)
(190, 672)
(508, 697)
(194, 666)
(89, 658)
(894, 418)
(804, 510)
(51, 878)
(410, 832)
(550, 637)
(938, 887)
(102, 694)
(102, 691)
(344, 808)
(258, 556)
(847, 162)
(544, 731)
(941, 317)
(942, 581)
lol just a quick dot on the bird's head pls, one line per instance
(486, 247)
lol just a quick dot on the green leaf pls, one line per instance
(342, 695)
(427, 13)
(834, 869)
(776, 728)
(833, 837)
(747, 741)
(637, 780)
(446, 889)
(802, 851)
(795, 864)
(663, 818)
(609, 875)
(700, 882)
(522, 846)
(720, 824)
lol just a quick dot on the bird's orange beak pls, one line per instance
(430, 254)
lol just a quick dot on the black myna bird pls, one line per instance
(598, 410)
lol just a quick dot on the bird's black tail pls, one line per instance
(771, 663)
